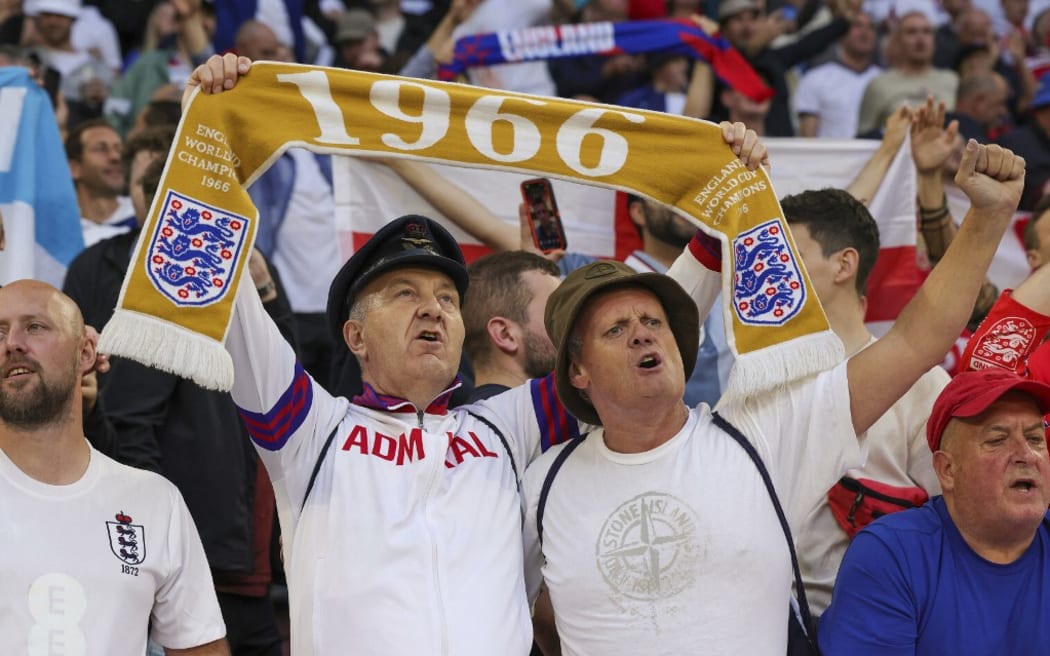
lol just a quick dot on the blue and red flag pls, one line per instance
(680, 37)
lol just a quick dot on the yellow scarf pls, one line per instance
(176, 303)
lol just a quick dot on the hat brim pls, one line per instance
(736, 8)
(682, 316)
(979, 401)
(989, 395)
(58, 9)
(435, 248)
(349, 282)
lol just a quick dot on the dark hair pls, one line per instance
(155, 140)
(836, 220)
(74, 140)
(151, 179)
(1031, 237)
(162, 112)
(496, 290)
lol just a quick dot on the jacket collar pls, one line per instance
(370, 398)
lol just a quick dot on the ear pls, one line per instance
(848, 262)
(354, 336)
(1035, 260)
(636, 211)
(578, 376)
(88, 352)
(944, 467)
(504, 334)
(74, 170)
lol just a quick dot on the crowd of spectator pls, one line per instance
(944, 74)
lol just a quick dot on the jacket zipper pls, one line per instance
(443, 624)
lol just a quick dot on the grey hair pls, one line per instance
(360, 307)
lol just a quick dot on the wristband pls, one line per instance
(937, 221)
(936, 212)
(707, 250)
(266, 288)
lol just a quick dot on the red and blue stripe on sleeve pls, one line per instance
(271, 430)
(555, 422)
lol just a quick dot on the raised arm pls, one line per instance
(870, 178)
(1034, 292)
(457, 204)
(992, 178)
(931, 145)
(699, 268)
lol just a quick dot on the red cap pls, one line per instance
(972, 392)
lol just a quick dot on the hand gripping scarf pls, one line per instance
(176, 303)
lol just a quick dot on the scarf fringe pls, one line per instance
(773, 366)
(168, 347)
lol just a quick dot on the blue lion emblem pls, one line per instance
(767, 282)
(194, 250)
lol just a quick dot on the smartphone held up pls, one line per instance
(548, 234)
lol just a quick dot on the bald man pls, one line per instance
(146, 571)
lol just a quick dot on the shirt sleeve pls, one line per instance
(699, 281)
(288, 416)
(806, 100)
(872, 609)
(1006, 337)
(185, 609)
(870, 105)
(532, 418)
(804, 433)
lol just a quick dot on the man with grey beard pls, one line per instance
(146, 572)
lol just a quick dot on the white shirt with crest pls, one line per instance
(86, 567)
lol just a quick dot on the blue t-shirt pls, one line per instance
(909, 584)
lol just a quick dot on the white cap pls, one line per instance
(69, 8)
(902, 8)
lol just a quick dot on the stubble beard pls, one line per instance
(42, 406)
(669, 228)
(539, 355)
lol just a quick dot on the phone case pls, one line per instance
(548, 234)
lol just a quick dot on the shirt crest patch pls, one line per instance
(127, 540)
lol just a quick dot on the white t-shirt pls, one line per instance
(832, 92)
(66, 62)
(678, 550)
(93, 31)
(86, 567)
(496, 15)
(274, 15)
(111, 227)
(306, 251)
(898, 454)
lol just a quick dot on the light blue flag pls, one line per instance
(37, 198)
